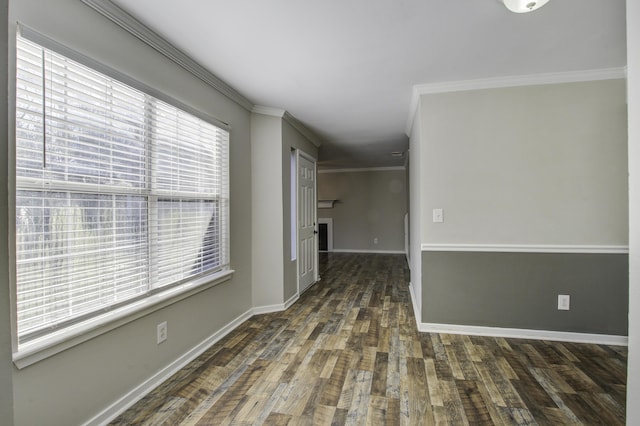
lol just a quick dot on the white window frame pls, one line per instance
(27, 353)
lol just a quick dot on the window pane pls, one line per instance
(188, 239)
(77, 253)
(94, 129)
(185, 153)
(117, 193)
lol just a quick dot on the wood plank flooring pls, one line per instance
(348, 353)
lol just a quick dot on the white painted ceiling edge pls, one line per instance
(346, 70)
(513, 81)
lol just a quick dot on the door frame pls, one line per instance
(299, 154)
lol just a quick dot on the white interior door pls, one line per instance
(307, 241)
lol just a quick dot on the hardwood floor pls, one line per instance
(348, 352)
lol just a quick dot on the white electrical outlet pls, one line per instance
(438, 216)
(564, 302)
(162, 332)
(375, 241)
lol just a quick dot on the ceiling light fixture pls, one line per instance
(523, 6)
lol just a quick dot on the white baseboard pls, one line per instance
(259, 310)
(293, 299)
(137, 393)
(520, 333)
(417, 309)
(368, 251)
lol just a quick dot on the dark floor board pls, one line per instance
(348, 352)
(584, 411)
(340, 417)
(333, 388)
(474, 406)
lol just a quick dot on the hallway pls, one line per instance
(348, 352)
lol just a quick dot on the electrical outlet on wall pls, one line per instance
(438, 216)
(375, 240)
(161, 332)
(564, 301)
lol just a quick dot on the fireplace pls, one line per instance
(325, 234)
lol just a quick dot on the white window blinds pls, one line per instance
(118, 194)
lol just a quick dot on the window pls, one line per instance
(119, 195)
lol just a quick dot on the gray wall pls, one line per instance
(6, 365)
(267, 243)
(528, 166)
(72, 386)
(519, 290)
(371, 204)
(275, 274)
(633, 97)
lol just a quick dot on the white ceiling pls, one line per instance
(346, 68)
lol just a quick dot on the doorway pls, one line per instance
(307, 216)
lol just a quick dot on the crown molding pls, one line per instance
(270, 111)
(121, 18)
(294, 122)
(508, 81)
(522, 80)
(304, 130)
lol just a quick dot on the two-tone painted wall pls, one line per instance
(633, 96)
(532, 181)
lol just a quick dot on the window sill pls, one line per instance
(45, 347)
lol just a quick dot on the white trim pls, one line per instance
(528, 248)
(293, 207)
(413, 110)
(259, 310)
(140, 391)
(363, 169)
(417, 308)
(521, 333)
(121, 18)
(326, 204)
(521, 80)
(49, 43)
(368, 251)
(54, 343)
(293, 299)
(302, 154)
(304, 130)
(265, 110)
(294, 122)
(508, 81)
